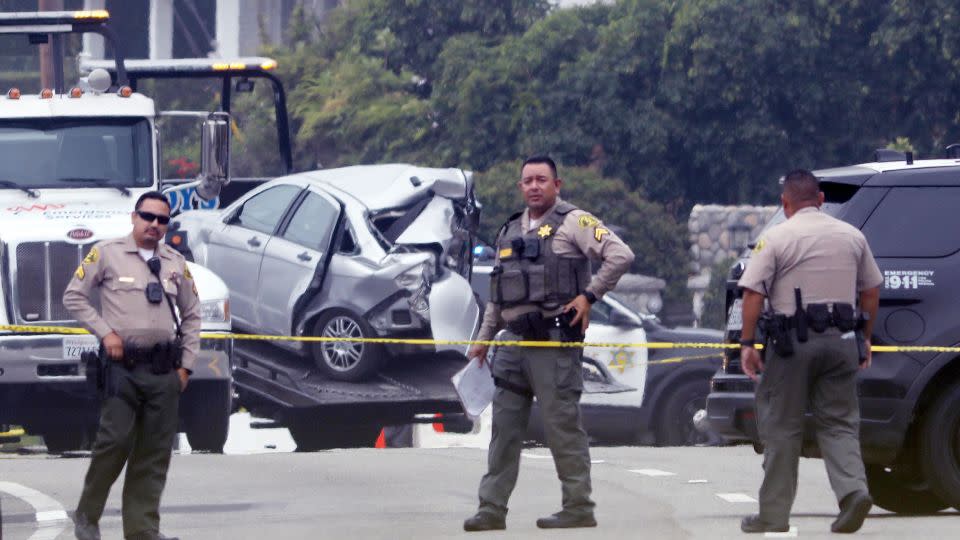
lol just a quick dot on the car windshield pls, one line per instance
(74, 152)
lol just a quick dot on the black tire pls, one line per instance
(208, 420)
(346, 361)
(69, 438)
(901, 492)
(319, 435)
(676, 412)
(940, 445)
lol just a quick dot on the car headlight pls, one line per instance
(215, 311)
(415, 277)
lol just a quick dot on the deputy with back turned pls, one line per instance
(813, 269)
(146, 356)
(542, 290)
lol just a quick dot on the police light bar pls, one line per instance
(51, 21)
(196, 67)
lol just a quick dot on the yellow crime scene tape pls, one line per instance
(427, 341)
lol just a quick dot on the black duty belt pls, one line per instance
(534, 326)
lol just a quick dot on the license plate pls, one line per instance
(74, 346)
(735, 315)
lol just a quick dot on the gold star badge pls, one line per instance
(545, 231)
(622, 359)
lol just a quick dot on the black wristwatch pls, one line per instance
(591, 298)
(748, 343)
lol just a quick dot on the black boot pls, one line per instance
(753, 524)
(484, 521)
(853, 510)
(84, 529)
(566, 520)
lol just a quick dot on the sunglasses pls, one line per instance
(150, 216)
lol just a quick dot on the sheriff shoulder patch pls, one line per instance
(599, 233)
(587, 220)
(760, 245)
(92, 257)
(186, 272)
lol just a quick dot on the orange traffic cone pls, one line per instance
(381, 441)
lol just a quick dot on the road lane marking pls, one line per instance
(536, 456)
(595, 461)
(792, 533)
(652, 472)
(736, 497)
(697, 481)
(50, 515)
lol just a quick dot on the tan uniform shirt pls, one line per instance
(579, 236)
(116, 272)
(828, 259)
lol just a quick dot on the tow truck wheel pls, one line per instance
(901, 492)
(940, 445)
(345, 360)
(676, 425)
(208, 420)
(311, 436)
(67, 438)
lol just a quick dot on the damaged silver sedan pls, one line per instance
(355, 252)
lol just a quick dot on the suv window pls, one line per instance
(313, 223)
(928, 233)
(263, 211)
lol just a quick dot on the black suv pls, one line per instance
(909, 212)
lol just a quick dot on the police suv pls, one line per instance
(909, 401)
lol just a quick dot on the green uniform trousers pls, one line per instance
(554, 376)
(137, 428)
(821, 376)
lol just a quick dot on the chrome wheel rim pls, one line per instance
(341, 355)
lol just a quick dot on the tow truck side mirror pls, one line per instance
(214, 155)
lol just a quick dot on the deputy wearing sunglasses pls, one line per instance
(148, 353)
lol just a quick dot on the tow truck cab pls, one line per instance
(73, 160)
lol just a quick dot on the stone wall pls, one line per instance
(718, 233)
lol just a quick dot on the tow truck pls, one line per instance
(72, 162)
(277, 385)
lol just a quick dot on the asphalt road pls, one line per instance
(426, 493)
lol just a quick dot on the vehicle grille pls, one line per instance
(42, 273)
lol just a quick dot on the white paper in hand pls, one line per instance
(474, 384)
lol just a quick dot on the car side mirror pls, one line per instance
(214, 155)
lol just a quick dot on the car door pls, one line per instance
(294, 257)
(236, 250)
(627, 365)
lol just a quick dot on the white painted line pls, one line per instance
(652, 472)
(697, 481)
(50, 515)
(792, 533)
(536, 456)
(595, 461)
(736, 497)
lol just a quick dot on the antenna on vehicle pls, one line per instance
(953, 151)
